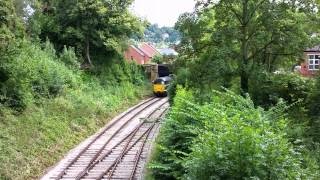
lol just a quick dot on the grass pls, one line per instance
(148, 172)
(34, 140)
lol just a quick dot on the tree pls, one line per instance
(156, 34)
(158, 59)
(260, 33)
(89, 24)
(10, 25)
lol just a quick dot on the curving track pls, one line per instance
(117, 151)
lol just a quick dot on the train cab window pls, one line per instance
(158, 81)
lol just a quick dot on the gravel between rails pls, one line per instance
(117, 151)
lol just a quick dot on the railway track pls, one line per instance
(117, 151)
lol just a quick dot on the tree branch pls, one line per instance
(261, 49)
(254, 10)
(233, 10)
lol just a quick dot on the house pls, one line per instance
(149, 50)
(140, 54)
(135, 54)
(310, 66)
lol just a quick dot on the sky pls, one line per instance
(162, 12)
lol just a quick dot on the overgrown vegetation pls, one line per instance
(38, 137)
(59, 81)
(242, 113)
(229, 138)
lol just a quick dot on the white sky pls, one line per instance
(162, 12)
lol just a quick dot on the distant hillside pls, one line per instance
(161, 35)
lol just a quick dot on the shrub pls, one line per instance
(69, 57)
(157, 59)
(33, 73)
(118, 71)
(39, 136)
(268, 88)
(313, 107)
(228, 138)
(175, 139)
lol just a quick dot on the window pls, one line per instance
(314, 60)
(131, 58)
(159, 81)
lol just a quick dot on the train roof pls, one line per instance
(166, 78)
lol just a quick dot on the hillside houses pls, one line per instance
(141, 54)
(144, 53)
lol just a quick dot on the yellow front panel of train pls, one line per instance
(158, 88)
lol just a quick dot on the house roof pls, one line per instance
(148, 49)
(168, 52)
(314, 49)
(138, 50)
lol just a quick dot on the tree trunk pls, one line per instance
(244, 80)
(244, 76)
(87, 52)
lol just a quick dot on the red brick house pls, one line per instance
(149, 50)
(142, 54)
(135, 54)
(311, 65)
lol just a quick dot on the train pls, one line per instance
(161, 77)
(160, 86)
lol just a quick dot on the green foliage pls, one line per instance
(313, 106)
(295, 90)
(58, 104)
(245, 35)
(181, 79)
(47, 104)
(33, 73)
(158, 59)
(69, 57)
(228, 138)
(117, 70)
(175, 139)
(269, 88)
(87, 25)
(156, 34)
(10, 28)
(39, 136)
(9, 19)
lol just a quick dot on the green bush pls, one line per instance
(297, 91)
(228, 138)
(69, 57)
(175, 139)
(158, 59)
(39, 136)
(118, 71)
(313, 107)
(33, 73)
(59, 105)
(267, 89)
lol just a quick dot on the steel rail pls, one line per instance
(63, 172)
(112, 165)
(127, 148)
(132, 133)
(96, 156)
(140, 152)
